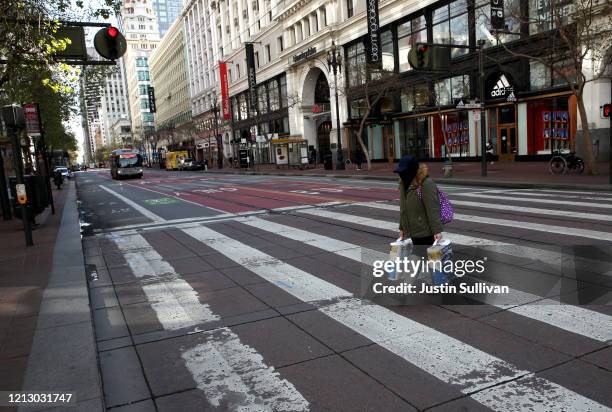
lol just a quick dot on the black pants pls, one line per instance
(421, 244)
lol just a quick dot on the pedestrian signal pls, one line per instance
(605, 110)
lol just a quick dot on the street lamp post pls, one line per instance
(215, 109)
(334, 63)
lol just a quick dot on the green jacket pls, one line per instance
(420, 218)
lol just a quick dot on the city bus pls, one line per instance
(125, 163)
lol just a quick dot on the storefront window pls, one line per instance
(450, 25)
(414, 97)
(262, 98)
(543, 76)
(409, 33)
(542, 13)
(448, 90)
(242, 101)
(358, 108)
(273, 95)
(388, 57)
(356, 64)
(283, 92)
(235, 109)
(414, 137)
(512, 13)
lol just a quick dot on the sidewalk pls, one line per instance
(46, 334)
(500, 174)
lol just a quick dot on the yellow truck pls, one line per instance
(173, 159)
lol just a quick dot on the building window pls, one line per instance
(512, 12)
(349, 8)
(256, 55)
(143, 75)
(262, 98)
(450, 25)
(283, 91)
(268, 55)
(448, 90)
(388, 56)
(279, 44)
(356, 64)
(143, 89)
(408, 33)
(242, 101)
(144, 103)
(273, 95)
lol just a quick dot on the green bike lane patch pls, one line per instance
(160, 201)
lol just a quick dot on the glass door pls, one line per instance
(506, 133)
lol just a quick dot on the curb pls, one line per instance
(441, 180)
(64, 340)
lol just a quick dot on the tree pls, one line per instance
(578, 35)
(375, 83)
(28, 29)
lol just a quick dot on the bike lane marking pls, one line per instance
(145, 212)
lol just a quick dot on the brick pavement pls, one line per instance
(24, 274)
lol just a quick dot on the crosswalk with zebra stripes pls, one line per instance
(511, 357)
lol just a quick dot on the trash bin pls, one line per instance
(447, 168)
(327, 162)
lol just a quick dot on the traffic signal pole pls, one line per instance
(483, 132)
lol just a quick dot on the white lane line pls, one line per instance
(602, 195)
(545, 201)
(230, 373)
(544, 212)
(145, 212)
(571, 318)
(539, 227)
(448, 359)
(581, 197)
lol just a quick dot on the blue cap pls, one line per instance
(406, 163)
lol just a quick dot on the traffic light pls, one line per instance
(606, 110)
(110, 43)
(422, 52)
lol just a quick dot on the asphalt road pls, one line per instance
(227, 292)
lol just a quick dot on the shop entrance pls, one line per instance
(323, 139)
(506, 133)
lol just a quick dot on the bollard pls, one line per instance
(447, 167)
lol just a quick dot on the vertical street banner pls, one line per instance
(373, 42)
(31, 119)
(151, 94)
(498, 21)
(252, 80)
(225, 107)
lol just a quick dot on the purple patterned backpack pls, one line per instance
(446, 209)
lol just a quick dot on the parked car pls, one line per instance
(191, 164)
(63, 170)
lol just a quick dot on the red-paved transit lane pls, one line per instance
(234, 193)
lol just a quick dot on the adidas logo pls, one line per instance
(500, 87)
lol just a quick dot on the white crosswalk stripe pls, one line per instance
(553, 229)
(544, 212)
(574, 319)
(235, 366)
(544, 201)
(444, 357)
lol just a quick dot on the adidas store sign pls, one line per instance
(502, 87)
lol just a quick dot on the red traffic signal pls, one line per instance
(606, 110)
(112, 31)
(110, 43)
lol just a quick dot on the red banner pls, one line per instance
(31, 118)
(224, 91)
